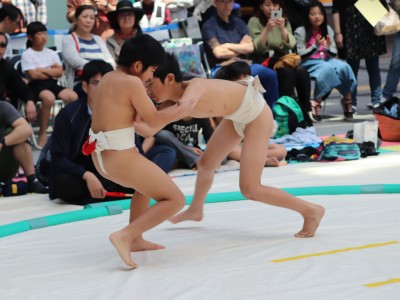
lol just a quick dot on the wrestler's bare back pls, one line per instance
(114, 102)
(229, 95)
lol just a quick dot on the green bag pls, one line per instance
(289, 115)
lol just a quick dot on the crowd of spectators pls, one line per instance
(330, 56)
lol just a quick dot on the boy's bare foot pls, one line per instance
(187, 215)
(272, 162)
(312, 218)
(283, 163)
(139, 244)
(123, 246)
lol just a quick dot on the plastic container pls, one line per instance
(389, 128)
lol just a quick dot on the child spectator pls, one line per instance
(43, 68)
(316, 46)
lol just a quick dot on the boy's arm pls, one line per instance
(143, 129)
(148, 112)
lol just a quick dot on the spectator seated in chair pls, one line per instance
(43, 67)
(226, 39)
(11, 83)
(15, 149)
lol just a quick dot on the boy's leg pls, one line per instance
(139, 204)
(254, 147)
(47, 98)
(67, 95)
(222, 141)
(129, 168)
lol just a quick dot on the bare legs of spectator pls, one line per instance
(48, 99)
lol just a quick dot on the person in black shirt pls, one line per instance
(183, 136)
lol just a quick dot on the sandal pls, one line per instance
(315, 113)
(347, 108)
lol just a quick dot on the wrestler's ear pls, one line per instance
(85, 86)
(169, 79)
(137, 68)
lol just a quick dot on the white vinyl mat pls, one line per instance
(241, 250)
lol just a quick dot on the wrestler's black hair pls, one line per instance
(143, 48)
(170, 66)
(32, 29)
(94, 67)
(234, 71)
(11, 11)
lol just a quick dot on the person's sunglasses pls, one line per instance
(3, 45)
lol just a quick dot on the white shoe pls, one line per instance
(354, 110)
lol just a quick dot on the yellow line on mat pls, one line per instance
(333, 251)
(380, 283)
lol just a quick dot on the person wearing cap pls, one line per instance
(125, 22)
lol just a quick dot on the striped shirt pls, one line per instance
(90, 50)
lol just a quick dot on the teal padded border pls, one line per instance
(101, 209)
(57, 219)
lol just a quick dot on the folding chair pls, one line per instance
(204, 60)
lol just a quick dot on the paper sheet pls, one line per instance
(372, 10)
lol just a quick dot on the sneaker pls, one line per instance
(372, 106)
(315, 113)
(37, 187)
(354, 110)
(347, 108)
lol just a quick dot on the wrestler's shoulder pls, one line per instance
(123, 78)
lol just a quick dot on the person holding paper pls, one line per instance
(356, 40)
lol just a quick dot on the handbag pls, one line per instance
(388, 24)
(291, 60)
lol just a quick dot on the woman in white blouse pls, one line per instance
(81, 46)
